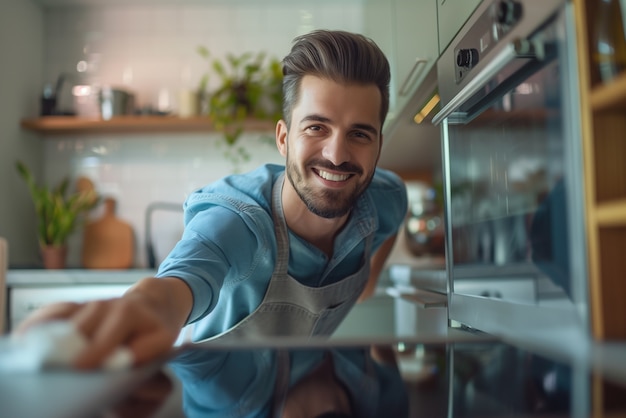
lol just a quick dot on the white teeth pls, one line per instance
(333, 177)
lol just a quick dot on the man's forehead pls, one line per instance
(313, 90)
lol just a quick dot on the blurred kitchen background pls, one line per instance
(150, 49)
(505, 163)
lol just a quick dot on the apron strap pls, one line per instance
(280, 227)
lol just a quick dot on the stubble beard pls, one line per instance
(325, 203)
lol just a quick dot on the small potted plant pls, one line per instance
(58, 214)
(250, 87)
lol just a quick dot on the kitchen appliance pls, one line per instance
(515, 241)
(115, 102)
(64, 96)
(164, 225)
(423, 226)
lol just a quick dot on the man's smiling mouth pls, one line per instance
(332, 177)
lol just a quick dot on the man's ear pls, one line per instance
(281, 137)
(380, 148)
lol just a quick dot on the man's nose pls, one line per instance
(336, 149)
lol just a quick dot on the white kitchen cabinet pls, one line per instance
(416, 46)
(406, 30)
(451, 15)
(25, 300)
(28, 290)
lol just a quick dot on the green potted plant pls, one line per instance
(249, 87)
(58, 214)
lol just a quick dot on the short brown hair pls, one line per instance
(340, 56)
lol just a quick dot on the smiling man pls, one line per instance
(282, 250)
(331, 149)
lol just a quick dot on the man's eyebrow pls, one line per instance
(319, 118)
(315, 118)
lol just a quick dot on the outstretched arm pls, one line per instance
(146, 319)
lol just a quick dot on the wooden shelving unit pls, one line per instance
(57, 125)
(603, 121)
(603, 124)
(611, 96)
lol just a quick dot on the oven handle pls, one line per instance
(520, 48)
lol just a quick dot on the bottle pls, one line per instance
(610, 42)
(424, 232)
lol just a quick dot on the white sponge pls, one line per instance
(52, 344)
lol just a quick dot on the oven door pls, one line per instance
(513, 183)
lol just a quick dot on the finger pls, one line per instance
(109, 326)
(87, 319)
(55, 311)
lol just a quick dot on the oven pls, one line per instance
(515, 236)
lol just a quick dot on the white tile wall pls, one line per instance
(149, 49)
(145, 168)
(152, 48)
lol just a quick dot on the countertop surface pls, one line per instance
(465, 377)
(427, 272)
(36, 277)
(459, 374)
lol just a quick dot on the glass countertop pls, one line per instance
(475, 377)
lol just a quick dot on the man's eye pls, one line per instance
(362, 135)
(314, 130)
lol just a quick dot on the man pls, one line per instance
(280, 250)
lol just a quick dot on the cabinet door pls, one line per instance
(25, 300)
(452, 14)
(416, 48)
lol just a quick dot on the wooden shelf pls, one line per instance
(611, 214)
(56, 125)
(609, 96)
(608, 149)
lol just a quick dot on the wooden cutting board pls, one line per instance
(109, 242)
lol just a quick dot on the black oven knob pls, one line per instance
(467, 57)
(508, 12)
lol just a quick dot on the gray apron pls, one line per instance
(290, 308)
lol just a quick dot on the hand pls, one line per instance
(145, 320)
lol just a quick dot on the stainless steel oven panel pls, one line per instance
(492, 41)
(518, 290)
(488, 123)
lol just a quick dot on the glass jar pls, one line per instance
(609, 40)
(424, 225)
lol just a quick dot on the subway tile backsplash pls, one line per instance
(147, 168)
(151, 50)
